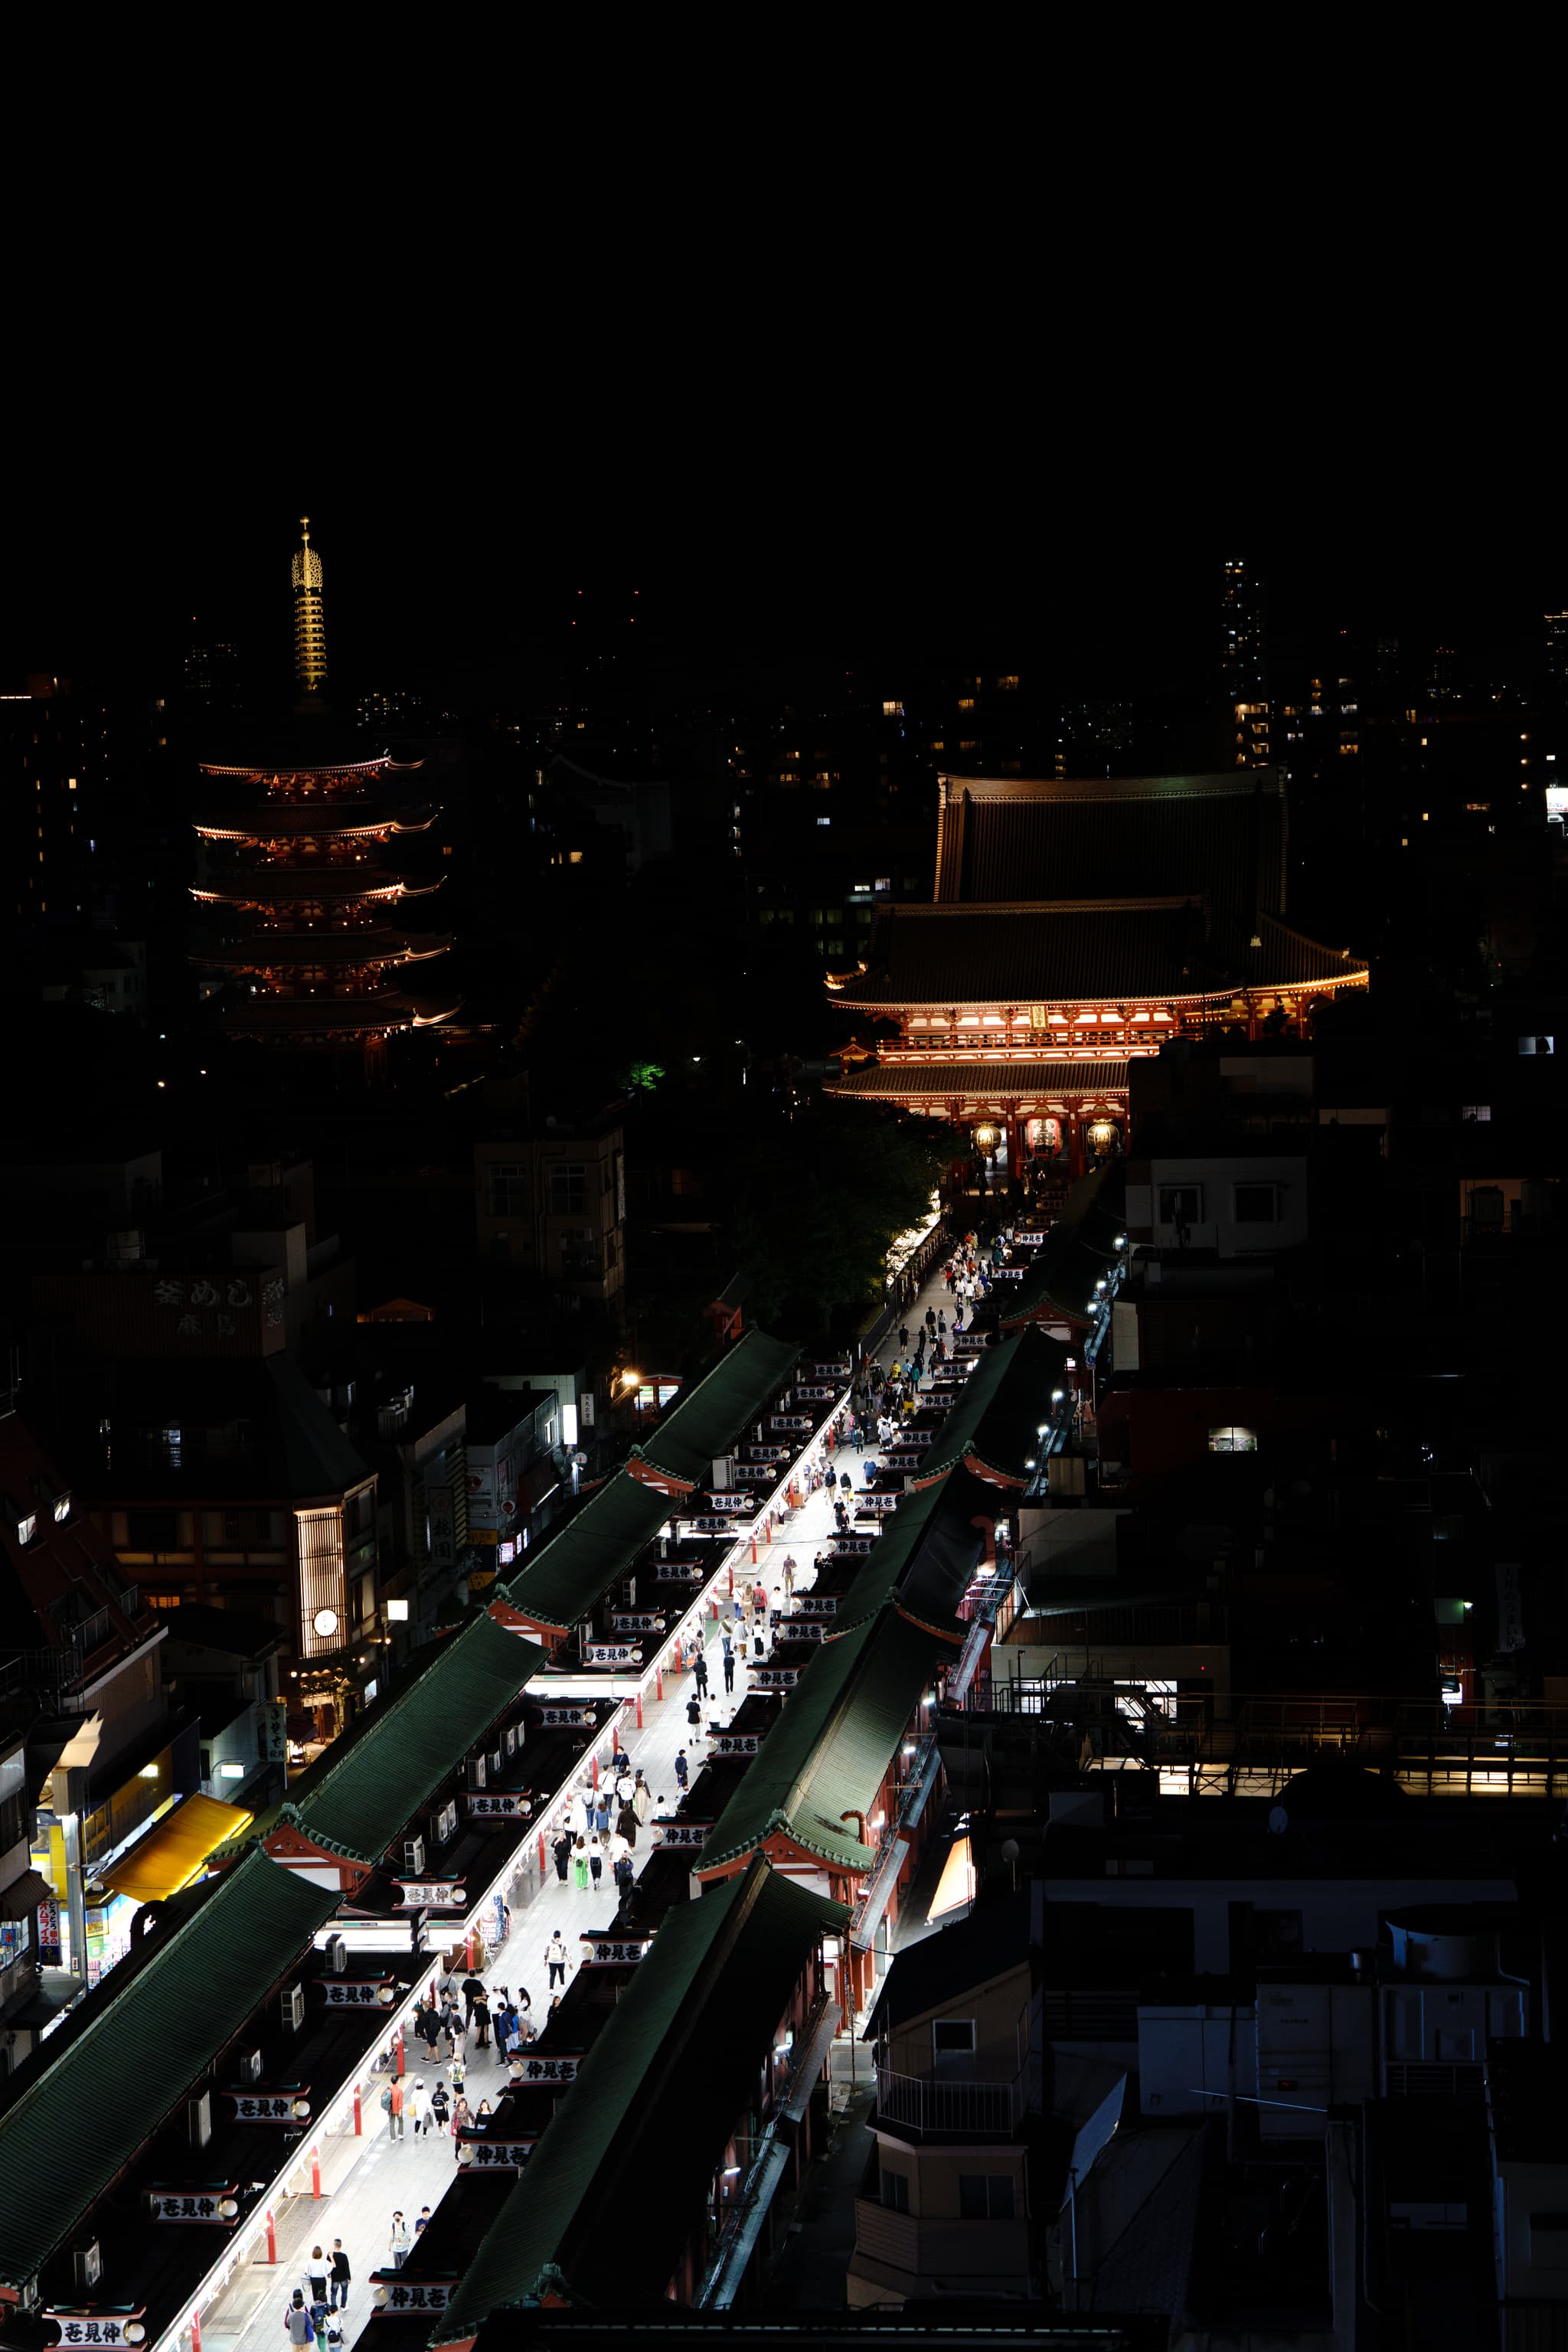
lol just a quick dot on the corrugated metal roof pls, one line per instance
(706, 1421)
(97, 2102)
(827, 1753)
(630, 2152)
(359, 1801)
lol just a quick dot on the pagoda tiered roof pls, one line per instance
(321, 1015)
(376, 943)
(268, 886)
(329, 820)
(1007, 1080)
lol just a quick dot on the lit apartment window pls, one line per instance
(892, 710)
(1233, 1441)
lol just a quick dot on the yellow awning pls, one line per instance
(170, 1855)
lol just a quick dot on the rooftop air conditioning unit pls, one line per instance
(250, 2066)
(199, 2118)
(337, 1955)
(86, 2265)
(294, 2008)
(414, 1856)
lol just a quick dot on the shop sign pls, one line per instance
(1006, 1274)
(708, 1525)
(611, 1654)
(691, 1834)
(271, 2106)
(801, 1629)
(764, 1453)
(817, 1604)
(739, 1507)
(776, 1678)
(85, 2322)
(836, 1369)
(506, 1805)
(902, 1461)
(195, 2205)
(404, 2293)
(440, 1893)
(850, 1546)
(811, 1395)
(552, 2070)
(878, 1502)
(965, 1343)
(612, 1951)
(1026, 1241)
(638, 1621)
(557, 1717)
(917, 1436)
(676, 1571)
(789, 1421)
(442, 1521)
(354, 1992)
(497, 2155)
(735, 1743)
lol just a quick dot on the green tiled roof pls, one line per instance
(829, 1750)
(356, 1802)
(576, 1568)
(707, 1422)
(1079, 1248)
(96, 2104)
(892, 1568)
(1000, 1407)
(631, 2150)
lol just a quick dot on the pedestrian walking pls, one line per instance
(596, 1864)
(682, 1770)
(587, 1800)
(561, 1850)
(316, 2272)
(458, 2072)
(424, 2220)
(642, 1801)
(398, 2241)
(440, 2107)
(903, 1335)
(694, 1709)
(482, 2022)
(297, 2321)
(625, 1875)
(461, 2120)
(340, 2276)
(417, 2107)
(392, 2101)
(728, 1665)
(555, 1960)
(473, 1990)
(602, 1815)
(699, 1668)
(580, 1867)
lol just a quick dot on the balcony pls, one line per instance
(959, 2106)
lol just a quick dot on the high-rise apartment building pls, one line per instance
(310, 620)
(54, 760)
(1557, 647)
(1242, 649)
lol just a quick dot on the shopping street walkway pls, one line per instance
(364, 2180)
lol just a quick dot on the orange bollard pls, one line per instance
(359, 2119)
(397, 2048)
(541, 1853)
(594, 1768)
(639, 1711)
(753, 1546)
(315, 2172)
(658, 1682)
(195, 2331)
(271, 2235)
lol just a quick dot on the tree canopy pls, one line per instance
(817, 1202)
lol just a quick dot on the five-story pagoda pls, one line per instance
(310, 932)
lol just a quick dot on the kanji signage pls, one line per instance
(499, 1805)
(800, 1629)
(678, 1571)
(1026, 1241)
(775, 1677)
(814, 1395)
(98, 2324)
(357, 1992)
(836, 1369)
(292, 2107)
(849, 1546)
(878, 1502)
(789, 1421)
(552, 2070)
(611, 1654)
(739, 1507)
(612, 1951)
(708, 1524)
(817, 1604)
(218, 2204)
(1006, 1274)
(638, 1621)
(397, 2293)
(497, 2155)
(557, 1717)
(917, 1437)
(683, 1834)
(903, 1461)
(735, 1743)
(438, 1893)
(763, 1453)
(966, 1343)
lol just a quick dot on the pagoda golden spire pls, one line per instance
(310, 623)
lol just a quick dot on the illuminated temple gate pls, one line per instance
(1076, 926)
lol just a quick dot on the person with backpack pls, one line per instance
(624, 1875)
(595, 1864)
(682, 1770)
(440, 2107)
(398, 2241)
(555, 1960)
(297, 2324)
